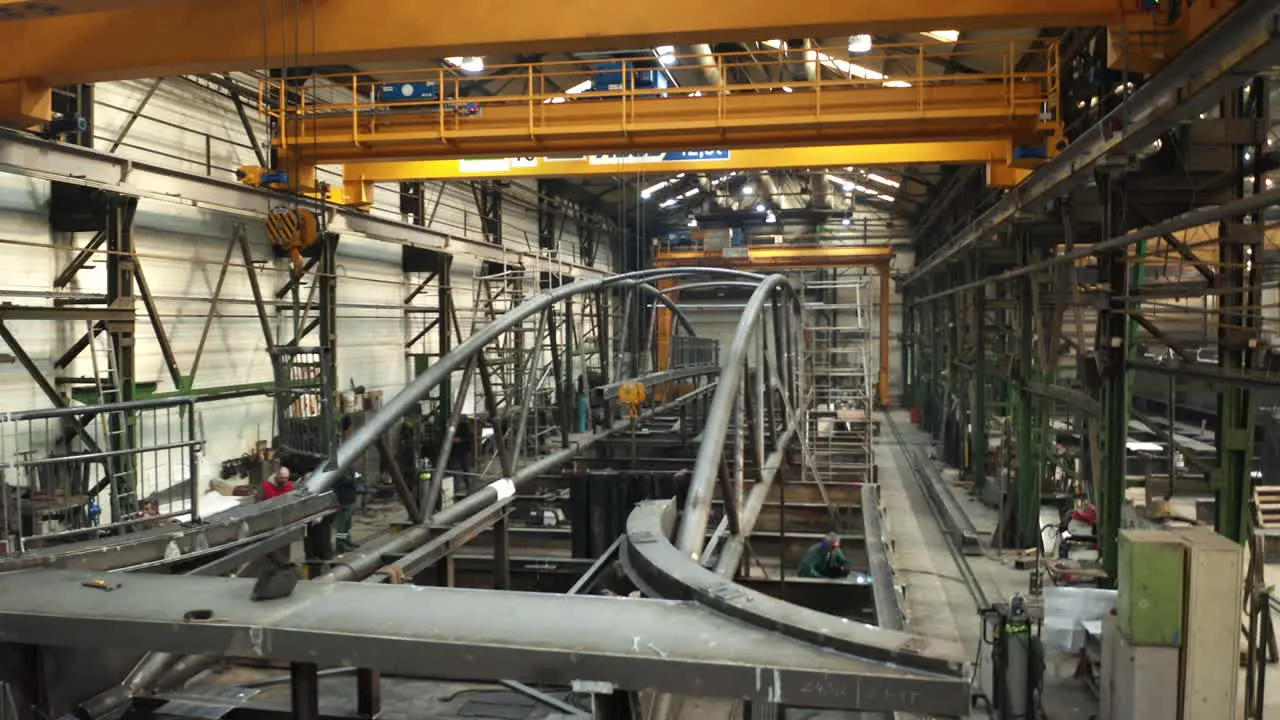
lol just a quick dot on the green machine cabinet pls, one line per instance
(1151, 587)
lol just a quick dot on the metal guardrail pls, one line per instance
(444, 104)
(76, 473)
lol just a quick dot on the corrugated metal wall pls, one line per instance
(181, 250)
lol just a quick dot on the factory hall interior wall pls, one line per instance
(721, 323)
(181, 250)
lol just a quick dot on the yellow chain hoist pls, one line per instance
(293, 230)
(632, 395)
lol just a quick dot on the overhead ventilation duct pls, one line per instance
(819, 191)
(707, 63)
(810, 61)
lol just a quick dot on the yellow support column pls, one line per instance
(666, 321)
(886, 297)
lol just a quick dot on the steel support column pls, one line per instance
(978, 383)
(1112, 343)
(1241, 240)
(886, 302)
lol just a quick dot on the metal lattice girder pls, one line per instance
(1242, 44)
(461, 634)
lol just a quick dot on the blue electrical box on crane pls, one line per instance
(615, 75)
(408, 92)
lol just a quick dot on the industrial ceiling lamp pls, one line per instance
(770, 218)
(693, 221)
(859, 44)
(847, 220)
(471, 64)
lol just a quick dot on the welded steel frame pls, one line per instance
(1243, 43)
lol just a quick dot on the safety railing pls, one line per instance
(444, 102)
(71, 474)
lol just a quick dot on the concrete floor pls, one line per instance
(937, 602)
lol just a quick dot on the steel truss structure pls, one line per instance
(753, 408)
(1124, 292)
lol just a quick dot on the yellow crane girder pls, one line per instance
(359, 178)
(527, 126)
(778, 257)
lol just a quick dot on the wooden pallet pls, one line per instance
(1267, 500)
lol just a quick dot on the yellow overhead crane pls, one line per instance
(778, 258)
(359, 178)
(900, 102)
(148, 38)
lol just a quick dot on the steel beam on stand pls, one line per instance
(684, 647)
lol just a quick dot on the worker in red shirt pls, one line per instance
(278, 485)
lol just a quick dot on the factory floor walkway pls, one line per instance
(937, 602)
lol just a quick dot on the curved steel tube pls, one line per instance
(702, 487)
(402, 403)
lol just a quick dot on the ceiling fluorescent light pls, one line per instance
(859, 44)
(667, 203)
(581, 87)
(840, 66)
(748, 190)
(946, 36)
(760, 207)
(846, 185)
(888, 198)
(471, 64)
(884, 180)
(649, 191)
(897, 84)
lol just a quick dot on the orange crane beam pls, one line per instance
(528, 126)
(13, 10)
(147, 39)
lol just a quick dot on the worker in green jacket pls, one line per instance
(347, 492)
(825, 560)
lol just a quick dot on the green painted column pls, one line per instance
(1113, 350)
(1027, 495)
(978, 382)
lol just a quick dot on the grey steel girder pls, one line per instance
(678, 647)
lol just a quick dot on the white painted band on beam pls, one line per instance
(504, 487)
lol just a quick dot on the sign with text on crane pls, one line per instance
(500, 165)
(653, 158)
